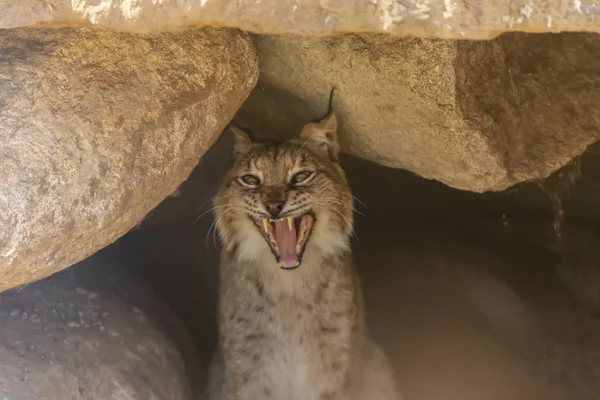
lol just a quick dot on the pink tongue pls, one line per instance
(286, 241)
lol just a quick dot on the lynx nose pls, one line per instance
(274, 207)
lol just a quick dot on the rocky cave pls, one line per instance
(470, 140)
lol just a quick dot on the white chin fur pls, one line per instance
(328, 241)
(252, 246)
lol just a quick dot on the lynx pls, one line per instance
(291, 319)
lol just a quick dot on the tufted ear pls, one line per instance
(322, 136)
(242, 142)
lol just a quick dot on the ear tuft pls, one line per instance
(242, 141)
(322, 135)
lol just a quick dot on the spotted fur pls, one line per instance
(293, 335)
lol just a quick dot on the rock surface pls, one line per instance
(425, 18)
(96, 128)
(477, 116)
(92, 332)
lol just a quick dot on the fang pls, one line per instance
(290, 222)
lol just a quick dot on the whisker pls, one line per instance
(350, 225)
(213, 209)
(214, 235)
(328, 204)
(207, 200)
(338, 201)
(359, 200)
(209, 228)
(213, 225)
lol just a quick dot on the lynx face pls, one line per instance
(286, 200)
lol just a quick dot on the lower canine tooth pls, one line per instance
(290, 222)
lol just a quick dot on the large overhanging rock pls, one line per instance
(426, 18)
(96, 128)
(476, 115)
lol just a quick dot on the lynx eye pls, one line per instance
(251, 180)
(301, 177)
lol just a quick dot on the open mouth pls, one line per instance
(287, 237)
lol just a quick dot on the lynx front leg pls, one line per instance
(243, 344)
(243, 378)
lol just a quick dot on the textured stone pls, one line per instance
(534, 97)
(93, 332)
(96, 128)
(425, 18)
(475, 115)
